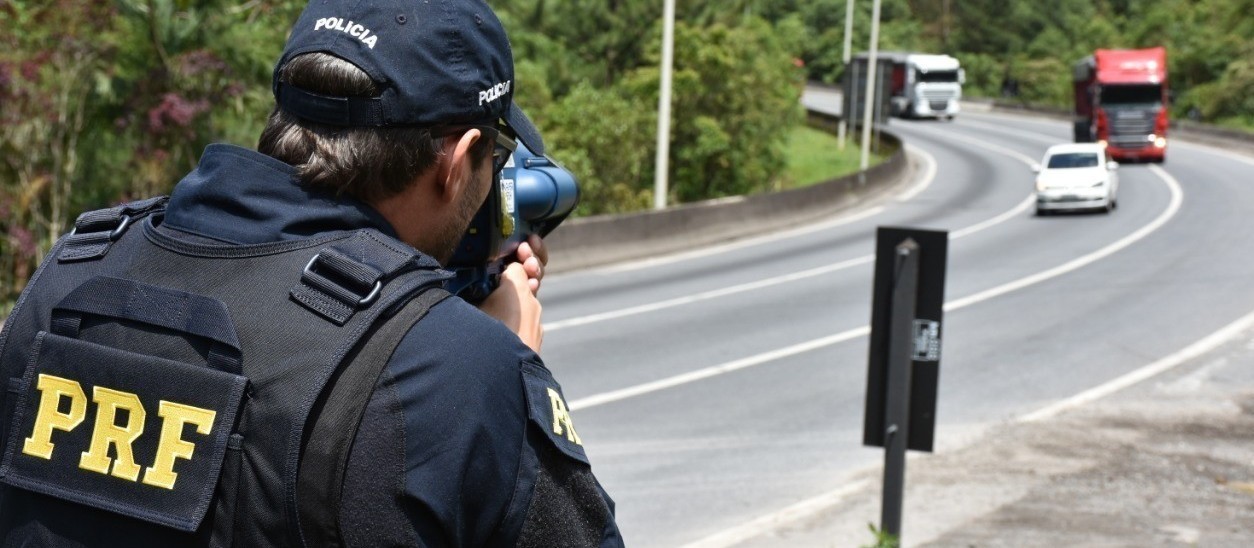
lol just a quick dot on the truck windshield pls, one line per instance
(1136, 94)
(938, 76)
(1072, 159)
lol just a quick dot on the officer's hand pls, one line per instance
(533, 256)
(514, 303)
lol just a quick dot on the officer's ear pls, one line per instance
(456, 166)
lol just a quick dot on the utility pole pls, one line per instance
(844, 116)
(870, 85)
(662, 164)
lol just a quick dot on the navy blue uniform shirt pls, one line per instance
(466, 440)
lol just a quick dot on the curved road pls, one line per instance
(714, 390)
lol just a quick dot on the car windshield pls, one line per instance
(1073, 159)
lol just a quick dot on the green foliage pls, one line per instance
(882, 539)
(1208, 47)
(45, 95)
(121, 106)
(589, 74)
(131, 91)
(606, 138)
(814, 156)
(736, 96)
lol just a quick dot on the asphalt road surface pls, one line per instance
(714, 390)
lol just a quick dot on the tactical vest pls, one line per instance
(168, 393)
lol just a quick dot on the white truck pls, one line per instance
(922, 85)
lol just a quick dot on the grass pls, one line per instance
(814, 156)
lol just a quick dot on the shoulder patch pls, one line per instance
(547, 408)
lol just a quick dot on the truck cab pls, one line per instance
(1121, 102)
(919, 85)
(932, 86)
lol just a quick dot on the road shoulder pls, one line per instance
(1169, 461)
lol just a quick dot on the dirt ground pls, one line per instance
(1166, 462)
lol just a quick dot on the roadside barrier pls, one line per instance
(603, 239)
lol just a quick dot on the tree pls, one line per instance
(120, 107)
(736, 95)
(44, 94)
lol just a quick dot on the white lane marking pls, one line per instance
(791, 514)
(1034, 119)
(766, 357)
(1046, 138)
(1177, 198)
(924, 181)
(727, 247)
(1163, 365)
(930, 173)
(705, 295)
(750, 286)
(1010, 214)
(949, 136)
(817, 504)
(712, 371)
(1030, 135)
(1231, 155)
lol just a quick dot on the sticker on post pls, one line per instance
(926, 341)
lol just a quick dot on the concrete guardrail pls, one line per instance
(603, 239)
(598, 240)
(1179, 129)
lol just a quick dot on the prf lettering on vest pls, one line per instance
(106, 433)
(562, 424)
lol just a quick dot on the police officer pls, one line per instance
(392, 120)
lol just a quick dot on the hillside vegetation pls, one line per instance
(103, 101)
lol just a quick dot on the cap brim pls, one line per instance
(518, 121)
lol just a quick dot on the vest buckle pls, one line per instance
(361, 303)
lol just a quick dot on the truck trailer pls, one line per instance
(1121, 102)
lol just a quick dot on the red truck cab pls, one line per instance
(1121, 101)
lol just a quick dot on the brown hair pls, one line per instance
(368, 163)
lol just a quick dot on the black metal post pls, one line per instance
(900, 357)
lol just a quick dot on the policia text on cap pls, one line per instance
(267, 357)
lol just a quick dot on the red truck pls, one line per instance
(1121, 101)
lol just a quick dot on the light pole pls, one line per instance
(661, 165)
(870, 85)
(844, 116)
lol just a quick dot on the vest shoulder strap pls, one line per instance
(96, 231)
(336, 418)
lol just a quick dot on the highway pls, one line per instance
(716, 389)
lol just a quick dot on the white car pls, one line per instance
(1076, 176)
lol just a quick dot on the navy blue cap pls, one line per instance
(439, 62)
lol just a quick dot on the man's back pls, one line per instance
(465, 439)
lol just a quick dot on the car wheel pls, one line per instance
(1041, 212)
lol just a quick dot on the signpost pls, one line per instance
(904, 359)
